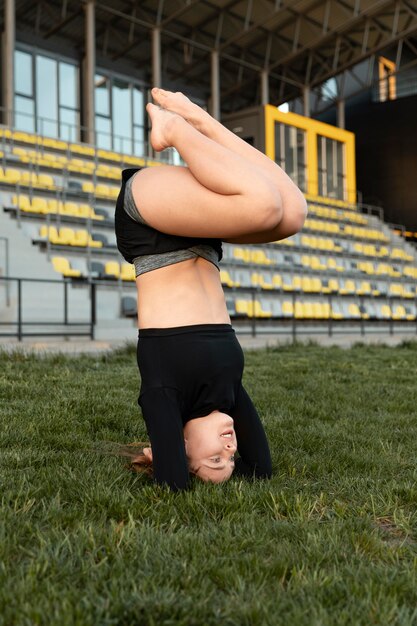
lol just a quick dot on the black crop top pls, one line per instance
(135, 239)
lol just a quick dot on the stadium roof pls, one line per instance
(299, 42)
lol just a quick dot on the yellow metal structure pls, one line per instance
(313, 129)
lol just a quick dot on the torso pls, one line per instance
(182, 294)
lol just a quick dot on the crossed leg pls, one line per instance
(293, 204)
(220, 194)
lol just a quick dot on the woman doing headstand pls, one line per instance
(170, 222)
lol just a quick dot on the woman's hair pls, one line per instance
(139, 462)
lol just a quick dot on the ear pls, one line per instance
(148, 453)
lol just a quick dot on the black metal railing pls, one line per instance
(63, 325)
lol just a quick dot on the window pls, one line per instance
(46, 95)
(331, 166)
(290, 152)
(120, 113)
(387, 82)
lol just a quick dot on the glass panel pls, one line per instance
(68, 92)
(122, 116)
(24, 114)
(103, 133)
(23, 73)
(331, 167)
(102, 95)
(46, 96)
(138, 107)
(139, 141)
(68, 126)
(321, 165)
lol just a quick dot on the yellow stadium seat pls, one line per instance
(102, 190)
(127, 271)
(396, 289)
(364, 288)
(386, 311)
(399, 313)
(24, 137)
(226, 278)
(58, 144)
(70, 208)
(348, 287)
(298, 310)
(287, 309)
(51, 233)
(67, 237)
(88, 187)
(22, 202)
(112, 268)
(265, 281)
(40, 205)
(241, 306)
(46, 181)
(354, 310)
(62, 266)
(85, 210)
(79, 149)
(277, 281)
(81, 238)
(308, 311)
(12, 175)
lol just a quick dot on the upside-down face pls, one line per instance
(210, 444)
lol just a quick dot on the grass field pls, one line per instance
(330, 540)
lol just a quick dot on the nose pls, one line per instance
(231, 446)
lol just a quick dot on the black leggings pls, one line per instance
(187, 372)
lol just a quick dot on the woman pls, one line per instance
(170, 222)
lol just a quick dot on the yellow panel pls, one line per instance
(313, 128)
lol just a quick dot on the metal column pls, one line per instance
(156, 57)
(8, 42)
(341, 113)
(89, 72)
(264, 87)
(306, 101)
(215, 85)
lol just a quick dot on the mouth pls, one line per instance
(228, 433)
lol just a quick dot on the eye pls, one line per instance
(232, 458)
(217, 459)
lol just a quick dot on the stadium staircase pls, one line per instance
(345, 267)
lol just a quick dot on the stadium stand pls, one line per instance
(344, 265)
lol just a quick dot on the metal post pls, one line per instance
(156, 57)
(306, 101)
(89, 71)
(6, 268)
(264, 87)
(294, 328)
(65, 302)
(19, 309)
(253, 320)
(215, 85)
(93, 310)
(330, 316)
(9, 36)
(341, 113)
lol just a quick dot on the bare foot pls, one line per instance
(179, 103)
(162, 125)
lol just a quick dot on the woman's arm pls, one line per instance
(252, 444)
(162, 415)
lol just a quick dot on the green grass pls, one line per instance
(330, 540)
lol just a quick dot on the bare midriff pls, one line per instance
(182, 294)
